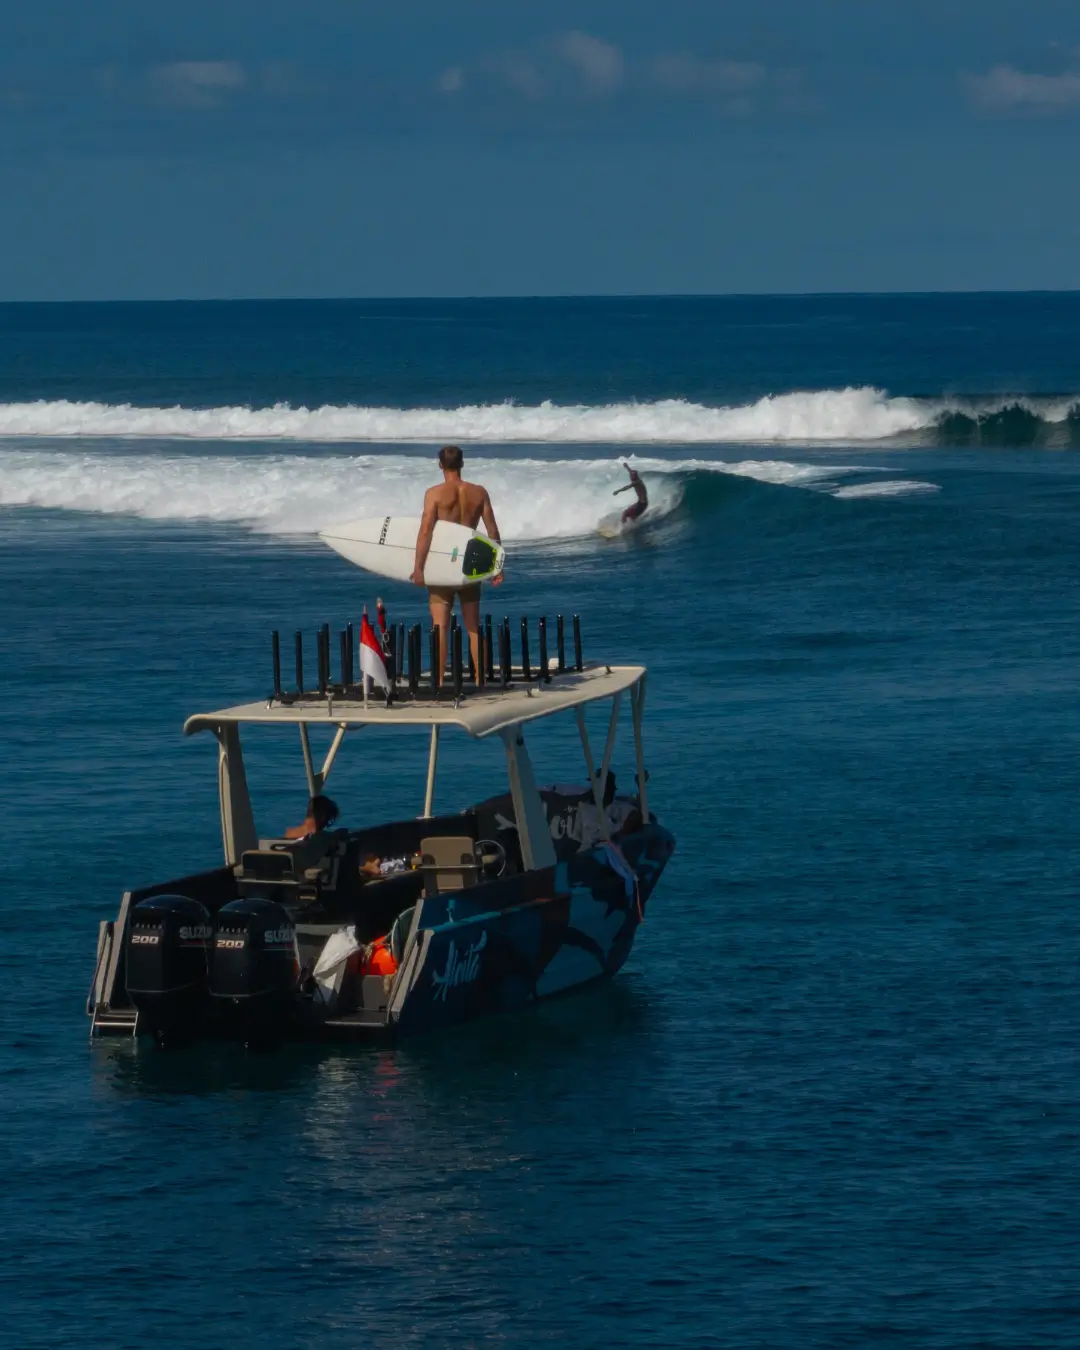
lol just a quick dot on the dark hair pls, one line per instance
(450, 457)
(322, 811)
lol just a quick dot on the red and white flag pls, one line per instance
(371, 655)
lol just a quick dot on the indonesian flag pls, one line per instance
(371, 656)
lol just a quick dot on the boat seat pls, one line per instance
(307, 864)
(272, 866)
(448, 863)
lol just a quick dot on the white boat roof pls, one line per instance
(480, 714)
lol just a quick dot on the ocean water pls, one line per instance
(834, 1098)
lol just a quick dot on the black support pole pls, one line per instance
(350, 656)
(579, 664)
(299, 662)
(276, 642)
(560, 643)
(545, 674)
(344, 657)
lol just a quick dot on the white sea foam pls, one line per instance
(889, 487)
(300, 494)
(841, 415)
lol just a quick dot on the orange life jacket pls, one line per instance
(375, 959)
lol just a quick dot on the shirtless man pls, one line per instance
(642, 504)
(466, 504)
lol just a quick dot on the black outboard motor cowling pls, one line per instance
(168, 950)
(254, 968)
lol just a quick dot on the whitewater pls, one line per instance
(301, 494)
(842, 416)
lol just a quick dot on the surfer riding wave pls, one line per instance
(639, 507)
(463, 503)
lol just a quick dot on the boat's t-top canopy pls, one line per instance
(490, 707)
(482, 713)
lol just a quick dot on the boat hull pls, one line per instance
(581, 930)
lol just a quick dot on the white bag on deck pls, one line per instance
(330, 967)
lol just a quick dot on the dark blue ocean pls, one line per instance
(833, 1100)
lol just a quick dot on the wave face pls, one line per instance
(280, 494)
(844, 416)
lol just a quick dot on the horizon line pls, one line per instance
(546, 296)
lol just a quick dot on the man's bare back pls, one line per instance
(465, 504)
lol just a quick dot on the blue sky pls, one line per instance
(467, 147)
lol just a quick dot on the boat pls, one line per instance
(506, 901)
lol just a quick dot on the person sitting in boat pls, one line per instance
(321, 814)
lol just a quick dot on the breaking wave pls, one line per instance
(841, 416)
(301, 494)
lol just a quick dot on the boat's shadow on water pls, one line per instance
(547, 1036)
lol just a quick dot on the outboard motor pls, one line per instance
(254, 969)
(168, 948)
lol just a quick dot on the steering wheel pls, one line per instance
(492, 858)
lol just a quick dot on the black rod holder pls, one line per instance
(344, 657)
(276, 643)
(489, 648)
(399, 651)
(324, 653)
(480, 672)
(414, 658)
(392, 654)
(545, 674)
(433, 657)
(299, 662)
(350, 656)
(579, 664)
(505, 655)
(526, 672)
(456, 662)
(560, 643)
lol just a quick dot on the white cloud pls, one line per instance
(197, 84)
(733, 87)
(451, 80)
(520, 74)
(682, 74)
(579, 76)
(600, 64)
(1005, 89)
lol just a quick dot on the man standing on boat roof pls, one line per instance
(465, 504)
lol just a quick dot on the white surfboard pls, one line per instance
(386, 545)
(613, 526)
